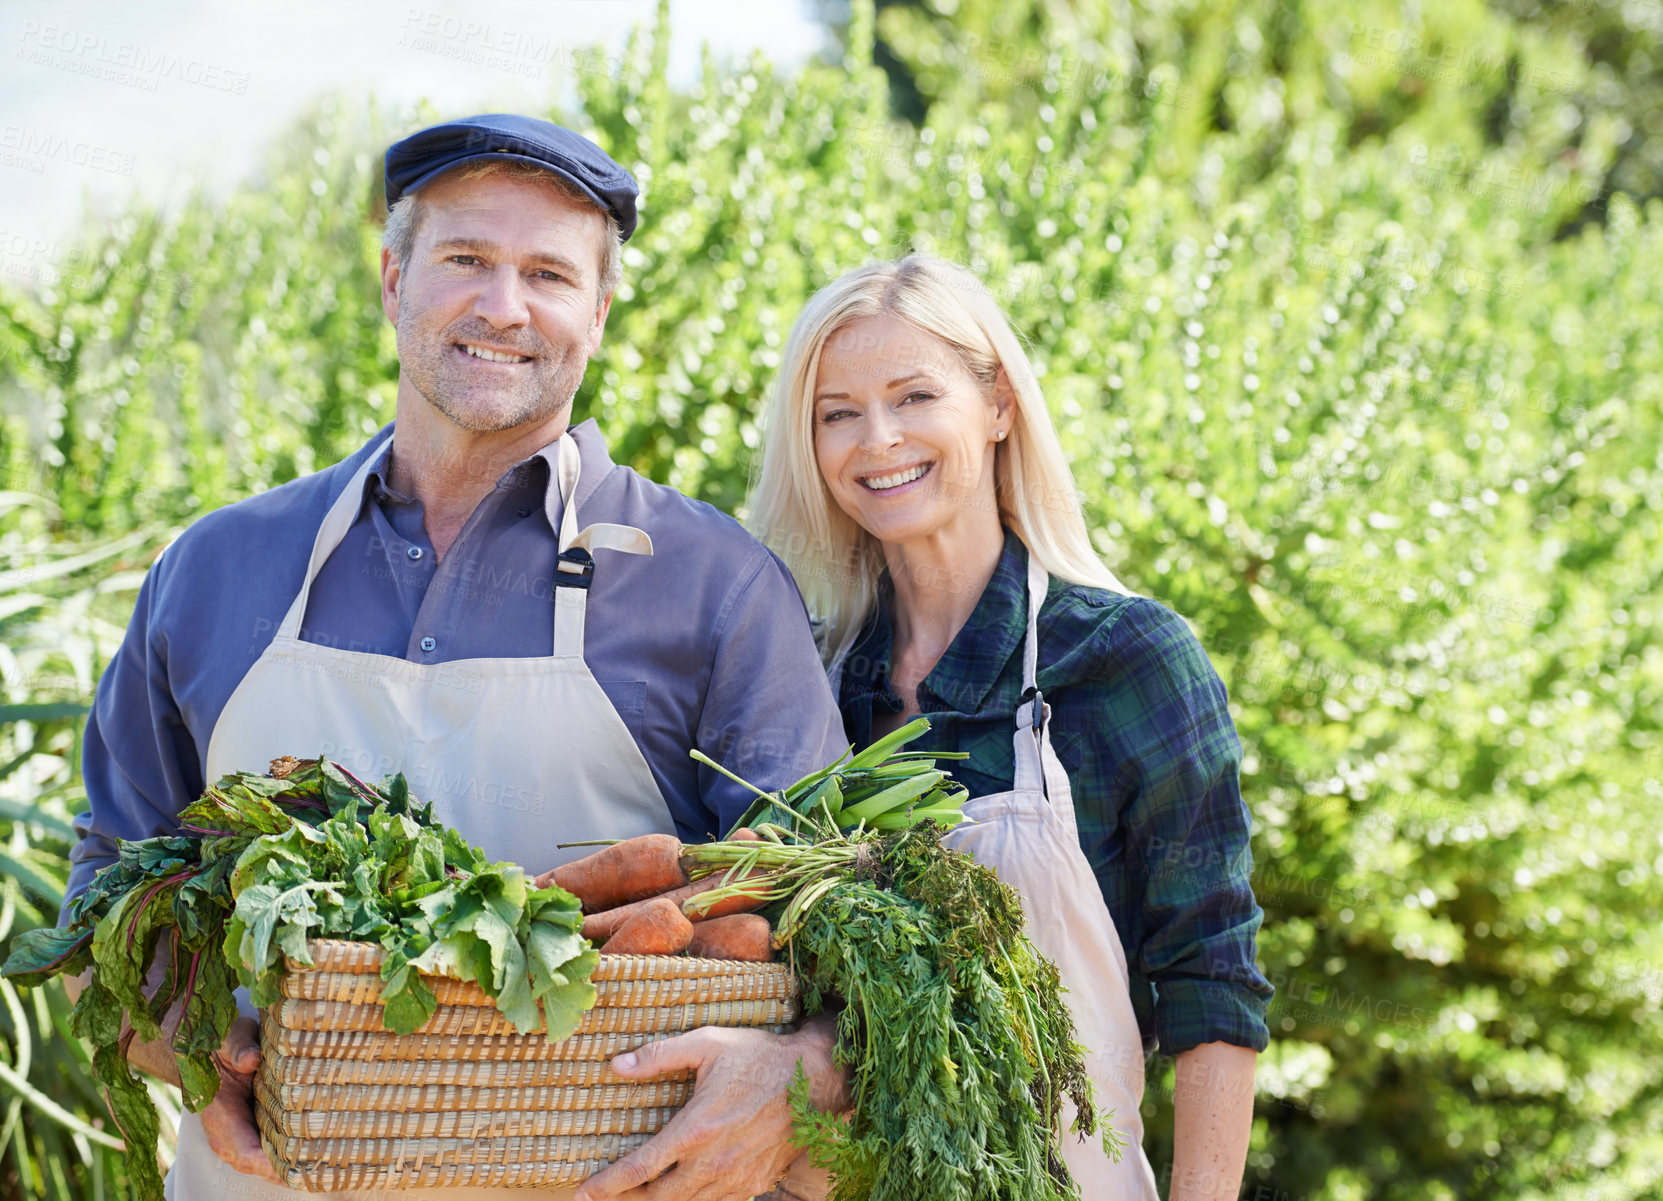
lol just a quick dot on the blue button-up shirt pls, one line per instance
(704, 644)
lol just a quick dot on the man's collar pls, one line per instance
(594, 460)
(378, 480)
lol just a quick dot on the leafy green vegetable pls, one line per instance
(263, 865)
(97, 1017)
(961, 1057)
(883, 787)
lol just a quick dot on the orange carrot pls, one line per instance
(739, 902)
(658, 929)
(743, 936)
(605, 924)
(632, 870)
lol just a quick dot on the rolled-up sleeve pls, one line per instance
(139, 761)
(1187, 836)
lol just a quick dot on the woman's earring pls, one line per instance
(1000, 436)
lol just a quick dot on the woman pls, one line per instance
(912, 481)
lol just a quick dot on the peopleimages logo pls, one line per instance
(128, 63)
(517, 52)
(32, 149)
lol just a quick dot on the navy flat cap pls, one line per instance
(428, 152)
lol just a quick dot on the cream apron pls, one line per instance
(1029, 837)
(518, 754)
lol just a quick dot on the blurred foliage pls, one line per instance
(1579, 83)
(63, 605)
(1352, 330)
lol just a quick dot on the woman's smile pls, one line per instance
(894, 481)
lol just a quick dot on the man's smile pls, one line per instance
(490, 355)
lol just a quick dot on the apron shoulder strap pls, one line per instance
(342, 513)
(576, 567)
(1037, 767)
(1038, 581)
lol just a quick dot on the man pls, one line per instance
(481, 599)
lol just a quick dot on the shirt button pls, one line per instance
(415, 552)
(429, 643)
(525, 512)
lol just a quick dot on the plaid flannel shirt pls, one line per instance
(1140, 723)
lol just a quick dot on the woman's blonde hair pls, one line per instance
(836, 563)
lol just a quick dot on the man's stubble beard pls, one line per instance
(425, 369)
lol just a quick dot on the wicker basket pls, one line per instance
(466, 1100)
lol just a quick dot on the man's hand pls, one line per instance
(228, 1120)
(732, 1140)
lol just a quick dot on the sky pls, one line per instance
(99, 100)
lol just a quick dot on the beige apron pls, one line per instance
(1029, 837)
(518, 754)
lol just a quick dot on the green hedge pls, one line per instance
(1357, 356)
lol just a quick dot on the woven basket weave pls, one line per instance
(467, 1101)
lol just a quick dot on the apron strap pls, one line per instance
(1031, 713)
(575, 569)
(1037, 767)
(604, 535)
(336, 523)
(568, 465)
(1038, 581)
(1030, 710)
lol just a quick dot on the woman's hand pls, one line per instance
(732, 1140)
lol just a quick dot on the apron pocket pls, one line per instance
(629, 698)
